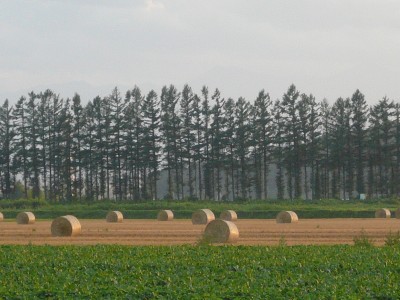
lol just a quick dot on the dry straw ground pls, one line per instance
(252, 232)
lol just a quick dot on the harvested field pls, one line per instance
(252, 232)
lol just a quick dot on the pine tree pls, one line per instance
(340, 118)
(230, 142)
(33, 150)
(206, 112)
(397, 148)
(21, 154)
(7, 135)
(117, 126)
(151, 120)
(198, 145)
(293, 157)
(217, 133)
(242, 111)
(171, 137)
(91, 153)
(360, 117)
(263, 126)
(188, 136)
(380, 137)
(279, 142)
(323, 189)
(66, 140)
(77, 151)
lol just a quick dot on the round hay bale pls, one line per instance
(66, 226)
(25, 217)
(202, 216)
(221, 231)
(382, 213)
(397, 213)
(1, 217)
(228, 215)
(165, 215)
(114, 217)
(286, 217)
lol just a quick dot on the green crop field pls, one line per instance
(199, 272)
(246, 210)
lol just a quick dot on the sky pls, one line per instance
(328, 48)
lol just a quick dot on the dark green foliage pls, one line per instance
(183, 210)
(180, 272)
(363, 240)
(181, 146)
(393, 239)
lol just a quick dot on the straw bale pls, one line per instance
(202, 216)
(114, 217)
(25, 217)
(221, 231)
(286, 217)
(165, 215)
(228, 215)
(66, 226)
(1, 217)
(382, 213)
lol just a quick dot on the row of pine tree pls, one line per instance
(203, 145)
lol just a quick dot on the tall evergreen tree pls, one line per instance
(7, 135)
(33, 149)
(188, 136)
(198, 146)
(206, 112)
(380, 154)
(293, 155)
(171, 137)
(360, 117)
(21, 154)
(243, 141)
(230, 142)
(117, 109)
(77, 151)
(340, 120)
(217, 139)
(279, 143)
(263, 126)
(151, 120)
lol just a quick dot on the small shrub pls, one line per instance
(393, 239)
(204, 240)
(282, 241)
(363, 240)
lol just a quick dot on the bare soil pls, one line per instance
(177, 232)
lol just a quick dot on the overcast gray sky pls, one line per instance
(325, 47)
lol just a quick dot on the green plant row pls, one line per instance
(186, 214)
(183, 210)
(199, 272)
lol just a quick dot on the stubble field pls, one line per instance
(180, 232)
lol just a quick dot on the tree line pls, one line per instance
(203, 145)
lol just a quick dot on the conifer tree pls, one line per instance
(7, 135)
